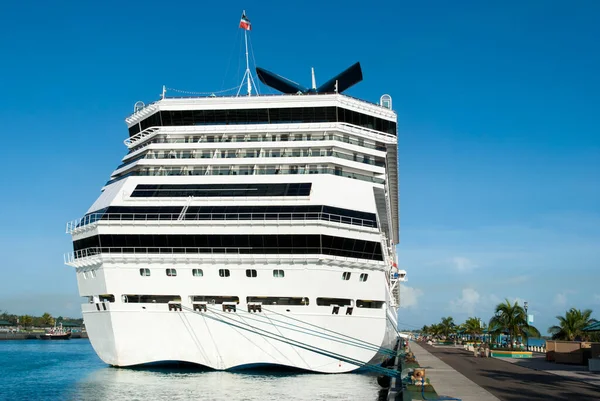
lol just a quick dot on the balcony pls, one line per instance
(91, 220)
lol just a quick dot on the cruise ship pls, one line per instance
(248, 230)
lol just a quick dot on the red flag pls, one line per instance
(245, 22)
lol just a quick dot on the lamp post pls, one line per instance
(525, 305)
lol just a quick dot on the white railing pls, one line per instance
(81, 254)
(230, 170)
(257, 129)
(94, 218)
(129, 142)
(342, 98)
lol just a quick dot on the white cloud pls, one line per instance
(560, 299)
(467, 302)
(409, 296)
(463, 264)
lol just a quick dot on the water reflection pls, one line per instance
(189, 384)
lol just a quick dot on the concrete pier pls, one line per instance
(446, 380)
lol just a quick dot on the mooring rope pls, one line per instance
(352, 342)
(296, 343)
(379, 349)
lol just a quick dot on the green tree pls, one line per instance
(425, 330)
(9, 318)
(47, 319)
(472, 326)
(570, 326)
(435, 330)
(26, 321)
(447, 326)
(512, 319)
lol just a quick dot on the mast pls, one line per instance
(245, 25)
(247, 63)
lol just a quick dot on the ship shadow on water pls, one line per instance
(183, 381)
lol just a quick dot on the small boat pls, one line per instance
(56, 333)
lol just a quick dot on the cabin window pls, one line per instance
(197, 272)
(214, 299)
(145, 272)
(298, 301)
(251, 273)
(150, 299)
(364, 277)
(278, 273)
(346, 275)
(224, 273)
(107, 298)
(171, 272)
(361, 303)
(334, 301)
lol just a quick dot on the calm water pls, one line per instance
(70, 370)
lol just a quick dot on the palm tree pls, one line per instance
(435, 330)
(26, 321)
(425, 330)
(447, 326)
(571, 325)
(472, 326)
(47, 319)
(511, 318)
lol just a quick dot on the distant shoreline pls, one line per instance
(33, 336)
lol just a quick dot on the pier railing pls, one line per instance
(94, 218)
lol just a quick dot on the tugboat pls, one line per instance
(56, 333)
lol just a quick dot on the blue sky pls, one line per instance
(498, 118)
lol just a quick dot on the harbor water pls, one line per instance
(71, 370)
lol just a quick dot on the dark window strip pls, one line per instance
(221, 190)
(264, 116)
(241, 244)
(307, 212)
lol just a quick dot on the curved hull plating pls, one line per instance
(239, 339)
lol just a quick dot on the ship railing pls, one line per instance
(319, 135)
(141, 135)
(146, 109)
(94, 218)
(261, 170)
(234, 129)
(212, 154)
(72, 257)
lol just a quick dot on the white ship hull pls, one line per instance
(127, 336)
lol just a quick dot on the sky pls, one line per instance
(498, 115)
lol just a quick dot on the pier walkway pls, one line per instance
(576, 372)
(446, 380)
(506, 381)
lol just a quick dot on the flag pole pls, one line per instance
(247, 74)
(247, 63)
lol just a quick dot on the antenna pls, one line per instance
(314, 81)
(164, 92)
